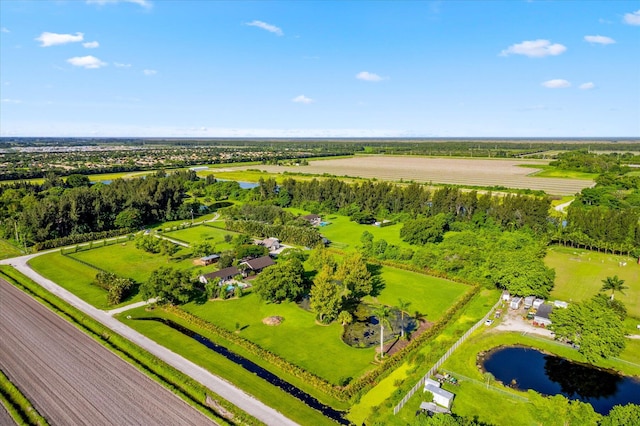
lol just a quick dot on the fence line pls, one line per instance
(437, 365)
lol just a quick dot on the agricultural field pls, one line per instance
(579, 275)
(458, 171)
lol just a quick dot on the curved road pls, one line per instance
(220, 386)
(72, 379)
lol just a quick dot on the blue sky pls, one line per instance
(163, 68)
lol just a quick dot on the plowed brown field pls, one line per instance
(459, 171)
(73, 380)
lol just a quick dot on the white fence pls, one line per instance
(437, 365)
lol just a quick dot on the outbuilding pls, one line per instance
(528, 301)
(537, 303)
(515, 303)
(541, 317)
(440, 396)
(560, 304)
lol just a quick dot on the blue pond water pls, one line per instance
(551, 375)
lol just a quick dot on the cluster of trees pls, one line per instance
(55, 210)
(584, 161)
(338, 288)
(283, 281)
(169, 285)
(118, 288)
(152, 244)
(383, 199)
(293, 234)
(605, 217)
(596, 324)
(512, 260)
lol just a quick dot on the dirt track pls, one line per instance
(71, 379)
(5, 418)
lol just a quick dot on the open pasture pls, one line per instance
(131, 262)
(579, 275)
(431, 296)
(458, 171)
(316, 348)
(202, 233)
(347, 234)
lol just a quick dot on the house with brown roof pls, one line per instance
(225, 274)
(313, 219)
(258, 264)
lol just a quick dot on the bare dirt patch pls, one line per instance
(460, 171)
(273, 321)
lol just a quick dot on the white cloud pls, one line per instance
(143, 3)
(556, 84)
(150, 72)
(4, 30)
(534, 49)
(265, 26)
(11, 101)
(599, 39)
(89, 62)
(302, 99)
(91, 44)
(121, 65)
(368, 76)
(587, 86)
(51, 39)
(632, 18)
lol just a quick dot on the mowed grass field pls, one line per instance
(202, 233)
(316, 348)
(72, 275)
(345, 234)
(431, 296)
(579, 275)
(459, 171)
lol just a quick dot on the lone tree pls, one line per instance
(325, 297)
(382, 313)
(614, 284)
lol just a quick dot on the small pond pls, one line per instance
(526, 368)
(243, 185)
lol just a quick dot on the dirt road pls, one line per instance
(71, 379)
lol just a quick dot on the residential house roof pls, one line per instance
(259, 263)
(210, 257)
(311, 217)
(223, 273)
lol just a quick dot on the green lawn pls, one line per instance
(219, 365)
(428, 295)
(347, 234)
(128, 261)
(8, 250)
(579, 275)
(202, 233)
(72, 275)
(318, 349)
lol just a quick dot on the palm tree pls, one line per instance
(614, 284)
(403, 305)
(382, 313)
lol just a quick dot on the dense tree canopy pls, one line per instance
(168, 285)
(280, 282)
(591, 324)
